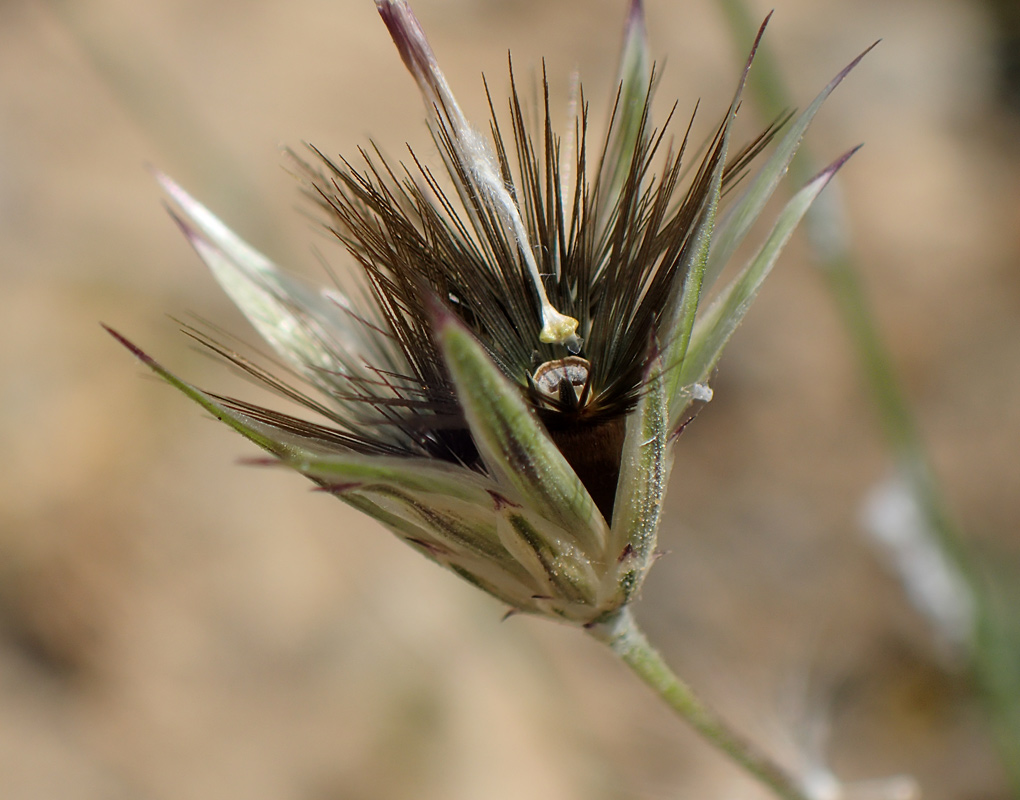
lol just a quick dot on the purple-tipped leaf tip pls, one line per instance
(826, 174)
(636, 17)
(182, 199)
(189, 232)
(136, 351)
(750, 60)
(192, 234)
(846, 70)
(169, 185)
(409, 37)
(757, 41)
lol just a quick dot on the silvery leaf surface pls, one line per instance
(568, 576)
(479, 178)
(352, 470)
(458, 518)
(314, 331)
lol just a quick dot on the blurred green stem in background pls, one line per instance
(994, 655)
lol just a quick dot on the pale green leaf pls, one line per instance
(283, 444)
(635, 85)
(721, 318)
(313, 330)
(644, 473)
(550, 556)
(740, 216)
(679, 321)
(421, 475)
(515, 448)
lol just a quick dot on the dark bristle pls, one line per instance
(612, 259)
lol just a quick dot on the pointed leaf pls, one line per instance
(419, 475)
(512, 443)
(644, 473)
(283, 444)
(721, 318)
(312, 330)
(739, 217)
(676, 332)
(634, 81)
(471, 158)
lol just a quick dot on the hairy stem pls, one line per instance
(625, 638)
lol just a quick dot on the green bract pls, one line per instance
(508, 398)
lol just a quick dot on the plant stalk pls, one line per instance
(993, 652)
(621, 632)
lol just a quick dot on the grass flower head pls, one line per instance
(507, 399)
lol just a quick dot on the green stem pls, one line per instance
(621, 632)
(993, 657)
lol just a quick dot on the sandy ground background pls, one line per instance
(175, 626)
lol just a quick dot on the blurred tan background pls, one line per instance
(173, 625)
